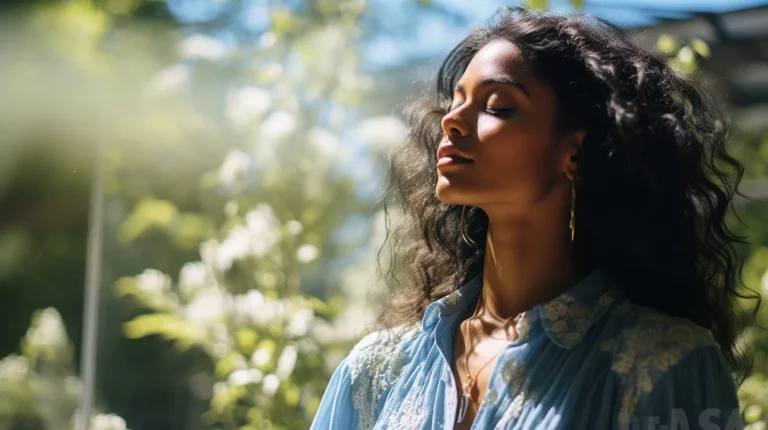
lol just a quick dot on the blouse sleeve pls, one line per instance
(696, 393)
(336, 409)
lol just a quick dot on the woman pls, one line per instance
(569, 265)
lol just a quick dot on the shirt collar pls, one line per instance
(565, 318)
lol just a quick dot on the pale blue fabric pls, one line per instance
(588, 359)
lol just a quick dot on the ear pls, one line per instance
(572, 146)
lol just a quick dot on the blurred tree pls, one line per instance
(39, 389)
(231, 161)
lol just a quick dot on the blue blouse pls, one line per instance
(587, 359)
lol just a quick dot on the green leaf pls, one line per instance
(231, 362)
(667, 44)
(149, 214)
(578, 4)
(246, 340)
(166, 325)
(536, 4)
(700, 47)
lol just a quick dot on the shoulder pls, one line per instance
(639, 331)
(662, 360)
(375, 363)
(382, 349)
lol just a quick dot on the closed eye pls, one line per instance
(501, 113)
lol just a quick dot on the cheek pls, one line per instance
(516, 151)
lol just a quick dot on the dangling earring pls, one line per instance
(572, 224)
(468, 240)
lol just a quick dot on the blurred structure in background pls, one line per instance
(244, 147)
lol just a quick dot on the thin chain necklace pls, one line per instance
(472, 380)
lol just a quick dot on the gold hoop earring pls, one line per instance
(468, 240)
(572, 224)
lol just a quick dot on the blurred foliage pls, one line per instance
(39, 388)
(232, 154)
(238, 222)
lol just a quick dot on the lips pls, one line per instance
(448, 150)
(452, 160)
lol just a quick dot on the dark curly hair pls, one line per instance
(655, 181)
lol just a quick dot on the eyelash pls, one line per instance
(500, 113)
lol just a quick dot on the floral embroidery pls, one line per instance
(513, 376)
(378, 362)
(648, 348)
(453, 298)
(411, 413)
(490, 396)
(523, 326)
(568, 321)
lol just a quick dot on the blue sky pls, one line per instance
(433, 34)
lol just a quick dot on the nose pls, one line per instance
(454, 125)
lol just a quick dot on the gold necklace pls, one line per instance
(472, 380)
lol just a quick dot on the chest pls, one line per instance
(478, 361)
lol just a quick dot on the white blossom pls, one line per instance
(270, 71)
(245, 377)
(307, 253)
(246, 306)
(247, 104)
(107, 422)
(256, 237)
(277, 125)
(382, 132)
(765, 282)
(13, 367)
(202, 46)
(220, 342)
(220, 388)
(267, 39)
(686, 54)
(263, 228)
(234, 247)
(208, 252)
(48, 332)
(208, 307)
(270, 385)
(261, 357)
(169, 79)
(294, 227)
(270, 311)
(153, 281)
(324, 141)
(267, 279)
(322, 331)
(286, 362)
(193, 277)
(299, 324)
(233, 169)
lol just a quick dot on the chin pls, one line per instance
(449, 196)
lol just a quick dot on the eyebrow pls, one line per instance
(497, 80)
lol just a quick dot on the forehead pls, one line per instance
(502, 58)
(499, 58)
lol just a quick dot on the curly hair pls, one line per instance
(654, 179)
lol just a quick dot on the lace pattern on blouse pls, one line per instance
(567, 320)
(377, 364)
(513, 376)
(644, 351)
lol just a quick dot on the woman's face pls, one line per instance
(503, 119)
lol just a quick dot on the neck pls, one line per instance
(527, 255)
